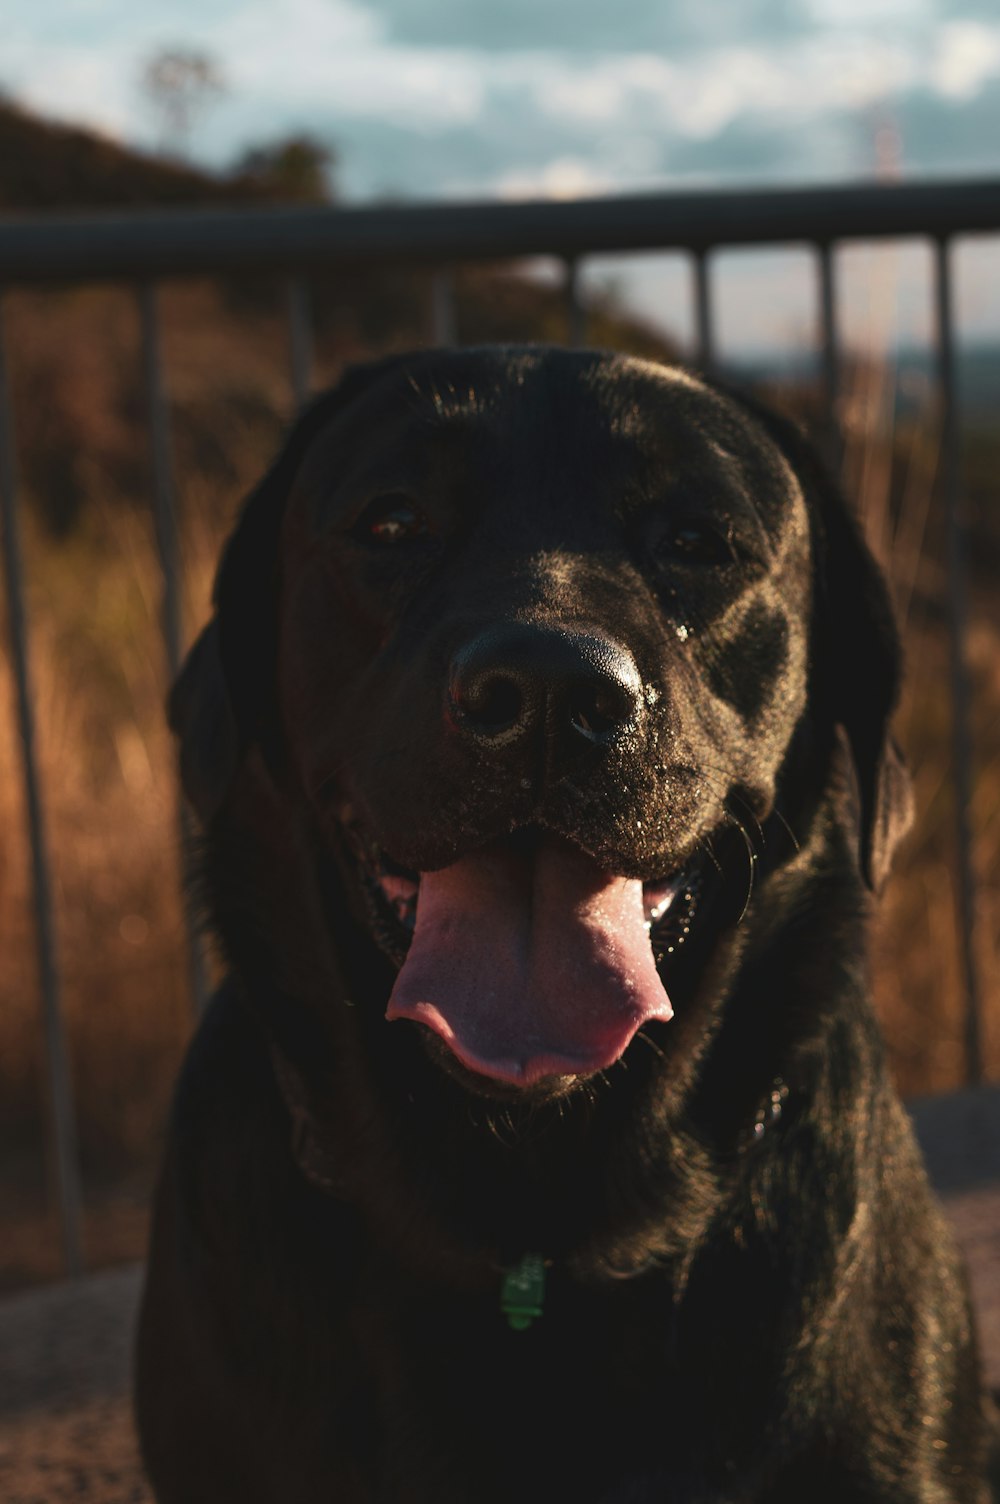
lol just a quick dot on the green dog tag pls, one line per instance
(523, 1291)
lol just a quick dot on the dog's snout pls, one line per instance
(513, 681)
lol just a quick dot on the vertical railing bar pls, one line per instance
(704, 340)
(300, 341)
(576, 313)
(829, 353)
(63, 1120)
(168, 546)
(961, 694)
(164, 503)
(444, 314)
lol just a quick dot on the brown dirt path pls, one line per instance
(65, 1420)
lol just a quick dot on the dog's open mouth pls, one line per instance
(525, 958)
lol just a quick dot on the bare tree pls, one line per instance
(180, 84)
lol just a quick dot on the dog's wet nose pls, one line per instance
(513, 680)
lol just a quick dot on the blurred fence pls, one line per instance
(139, 249)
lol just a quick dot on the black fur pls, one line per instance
(751, 1295)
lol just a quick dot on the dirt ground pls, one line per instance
(65, 1419)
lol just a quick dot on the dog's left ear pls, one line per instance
(225, 695)
(200, 715)
(856, 655)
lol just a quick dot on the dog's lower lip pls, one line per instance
(546, 1088)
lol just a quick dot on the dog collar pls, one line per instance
(522, 1291)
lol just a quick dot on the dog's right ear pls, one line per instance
(225, 697)
(856, 652)
(200, 715)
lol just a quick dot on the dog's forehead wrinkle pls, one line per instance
(714, 439)
(459, 403)
(673, 454)
(458, 387)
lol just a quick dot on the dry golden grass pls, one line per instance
(107, 770)
(890, 469)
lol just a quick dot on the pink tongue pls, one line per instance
(530, 966)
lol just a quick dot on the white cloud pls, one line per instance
(699, 97)
(904, 14)
(367, 82)
(594, 96)
(311, 30)
(967, 58)
(76, 84)
(563, 178)
(548, 118)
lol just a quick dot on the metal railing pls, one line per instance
(291, 243)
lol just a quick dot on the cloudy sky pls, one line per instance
(472, 98)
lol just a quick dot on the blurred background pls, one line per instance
(108, 106)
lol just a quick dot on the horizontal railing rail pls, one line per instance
(175, 243)
(142, 248)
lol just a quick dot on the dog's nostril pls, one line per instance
(600, 708)
(491, 703)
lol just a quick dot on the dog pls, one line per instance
(539, 1145)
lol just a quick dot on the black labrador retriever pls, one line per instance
(539, 1146)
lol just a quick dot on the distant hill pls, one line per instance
(45, 165)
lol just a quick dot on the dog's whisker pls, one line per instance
(706, 846)
(751, 861)
(737, 798)
(651, 1044)
(597, 1084)
(779, 816)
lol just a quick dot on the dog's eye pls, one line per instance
(696, 543)
(390, 519)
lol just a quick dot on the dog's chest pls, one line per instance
(562, 1409)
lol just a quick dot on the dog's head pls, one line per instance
(536, 638)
